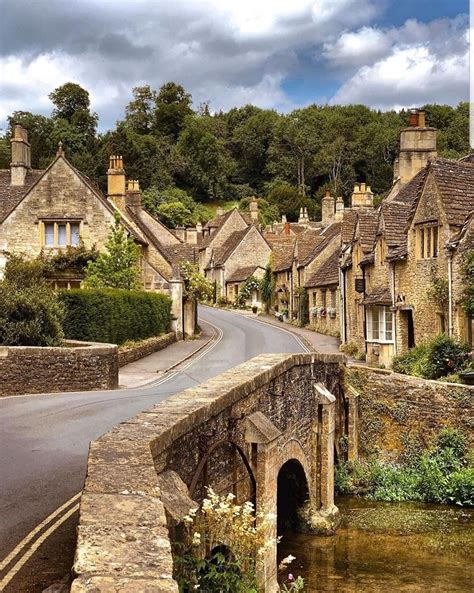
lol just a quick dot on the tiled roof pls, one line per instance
(327, 274)
(241, 274)
(320, 242)
(393, 221)
(455, 181)
(411, 191)
(367, 228)
(349, 222)
(222, 253)
(282, 253)
(378, 296)
(11, 195)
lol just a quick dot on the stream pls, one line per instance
(388, 547)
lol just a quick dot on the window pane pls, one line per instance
(333, 299)
(62, 235)
(435, 241)
(388, 325)
(74, 234)
(422, 243)
(374, 316)
(49, 234)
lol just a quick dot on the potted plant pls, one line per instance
(284, 313)
(332, 313)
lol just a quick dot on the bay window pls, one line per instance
(379, 324)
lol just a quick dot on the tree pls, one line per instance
(267, 287)
(173, 106)
(289, 200)
(40, 130)
(139, 113)
(119, 266)
(69, 99)
(30, 311)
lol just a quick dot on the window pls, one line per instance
(314, 299)
(323, 298)
(379, 324)
(427, 238)
(61, 234)
(333, 299)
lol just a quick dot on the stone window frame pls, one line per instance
(57, 224)
(427, 240)
(384, 317)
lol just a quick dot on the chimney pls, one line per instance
(327, 208)
(362, 197)
(116, 182)
(199, 230)
(417, 147)
(219, 211)
(301, 216)
(306, 217)
(254, 209)
(191, 236)
(180, 233)
(133, 198)
(286, 228)
(21, 155)
(283, 218)
(339, 209)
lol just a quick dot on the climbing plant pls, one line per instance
(267, 287)
(246, 289)
(196, 285)
(468, 277)
(303, 309)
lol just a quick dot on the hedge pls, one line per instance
(115, 315)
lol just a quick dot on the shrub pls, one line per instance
(349, 348)
(440, 357)
(115, 315)
(461, 487)
(30, 311)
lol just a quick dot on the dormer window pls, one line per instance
(427, 241)
(60, 234)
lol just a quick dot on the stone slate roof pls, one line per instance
(11, 195)
(349, 222)
(455, 182)
(223, 252)
(393, 221)
(283, 250)
(378, 296)
(320, 242)
(242, 274)
(327, 274)
(367, 228)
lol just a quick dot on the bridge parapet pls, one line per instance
(233, 433)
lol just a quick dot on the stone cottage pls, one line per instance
(402, 263)
(47, 211)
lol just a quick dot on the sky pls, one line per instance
(279, 54)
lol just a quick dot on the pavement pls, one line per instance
(149, 369)
(44, 441)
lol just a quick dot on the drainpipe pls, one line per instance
(450, 293)
(342, 308)
(394, 329)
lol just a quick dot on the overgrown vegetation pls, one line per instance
(443, 473)
(115, 315)
(440, 357)
(30, 312)
(185, 156)
(223, 545)
(468, 277)
(196, 285)
(247, 288)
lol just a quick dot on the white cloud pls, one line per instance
(408, 77)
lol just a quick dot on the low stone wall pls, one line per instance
(78, 366)
(133, 352)
(143, 474)
(396, 411)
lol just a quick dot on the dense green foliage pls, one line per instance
(440, 357)
(196, 285)
(288, 159)
(30, 311)
(441, 474)
(468, 273)
(114, 315)
(72, 258)
(118, 267)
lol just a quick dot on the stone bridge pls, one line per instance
(265, 430)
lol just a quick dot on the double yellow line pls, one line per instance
(24, 550)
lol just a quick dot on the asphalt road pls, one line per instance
(44, 441)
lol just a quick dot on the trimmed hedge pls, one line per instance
(115, 315)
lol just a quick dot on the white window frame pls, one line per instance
(384, 314)
(68, 226)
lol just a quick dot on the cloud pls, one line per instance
(414, 64)
(229, 53)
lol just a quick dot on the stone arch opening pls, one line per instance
(292, 495)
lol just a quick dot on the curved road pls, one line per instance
(44, 441)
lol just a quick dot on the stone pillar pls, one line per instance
(190, 308)
(177, 307)
(353, 437)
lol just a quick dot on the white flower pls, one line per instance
(196, 539)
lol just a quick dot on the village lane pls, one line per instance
(44, 440)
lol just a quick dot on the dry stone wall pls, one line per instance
(398, 411)
(76, 367)
(133, 352)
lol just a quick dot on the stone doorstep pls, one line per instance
(111, 584)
